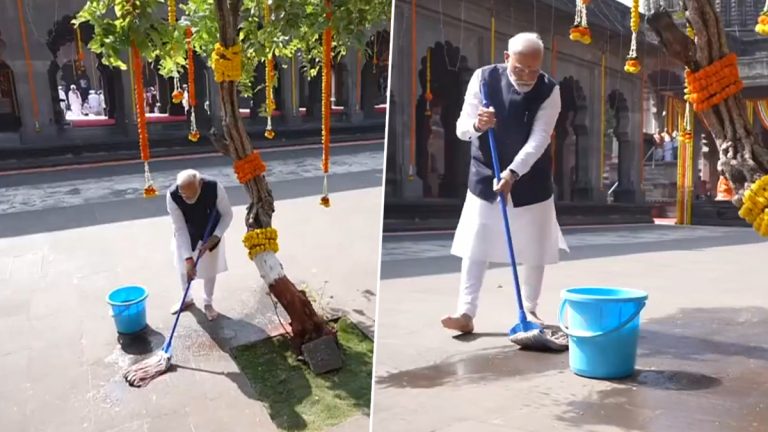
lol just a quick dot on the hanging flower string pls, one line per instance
(713, 84)
(632, 65)
(270, 72)
(375, 52)
(580, 30)
(194, 134)
(177, 96)
(80, 53)
(172, 12)
(687, 136)
(428, 94)
(325, 200)
(762, 21)
(28, 63)
(141, 120)
(493, 36)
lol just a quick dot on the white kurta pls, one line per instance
(75, 103)
(536, 235)
(213, 262)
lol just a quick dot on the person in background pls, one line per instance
(724, 189)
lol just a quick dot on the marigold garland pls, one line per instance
(713, 84)
(580, 29)
(79, 50)
(172, 12)
(632, 65)
(428, 94)
(29, 66)
(227, 63)
(249, 167)
(269, 133)
(493, 36)
(260, 240)
(762, 21)
(141, 120)
(325, 200)
(755, 207)
(194, 134)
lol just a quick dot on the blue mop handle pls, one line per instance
(503, 204)
(206, 236)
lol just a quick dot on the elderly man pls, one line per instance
(190, 203)
(525, 104)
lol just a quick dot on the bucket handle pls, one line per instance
(571, 333)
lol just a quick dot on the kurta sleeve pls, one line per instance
(543, 125)
(180, 233)
(465, 125)
(225, 210)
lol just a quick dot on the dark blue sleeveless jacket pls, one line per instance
(196, 215)
(515, 113)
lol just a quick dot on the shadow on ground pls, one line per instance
(700, 367)
(122, 209)
(435, 265)
(146, 342)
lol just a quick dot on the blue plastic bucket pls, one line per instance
(129, 308)
(603, 325)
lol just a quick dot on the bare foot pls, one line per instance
(462, 323)
(210, 312)
(534, 317)
(175, 308)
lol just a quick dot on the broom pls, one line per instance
(140, 374)
(525, 334)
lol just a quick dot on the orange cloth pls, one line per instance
(724, 190)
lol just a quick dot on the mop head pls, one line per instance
(547, 339)
(140, 374)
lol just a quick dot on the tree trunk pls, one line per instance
(306, 325)
(743, 158)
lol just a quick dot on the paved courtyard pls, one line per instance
(702, 359)
(67, 238)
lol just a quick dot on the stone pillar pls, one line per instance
(352, 111)
(124, 111)
(46, 133)
(315, 97)
(630, 149)
(289, 91)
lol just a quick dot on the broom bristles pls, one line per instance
(145, 371)
(545, 339)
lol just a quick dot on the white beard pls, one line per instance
(523, 88)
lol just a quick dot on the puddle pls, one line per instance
(485, 366)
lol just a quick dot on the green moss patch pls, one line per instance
(299, 400)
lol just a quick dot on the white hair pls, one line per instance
(187, 176)
(525, 43)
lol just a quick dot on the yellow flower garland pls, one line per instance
(632, 65)
(762, 21)
(227, 63)
(755, 207)
(260, 240)
(172, 12)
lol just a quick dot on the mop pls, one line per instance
(526, 334)
(140, 374)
